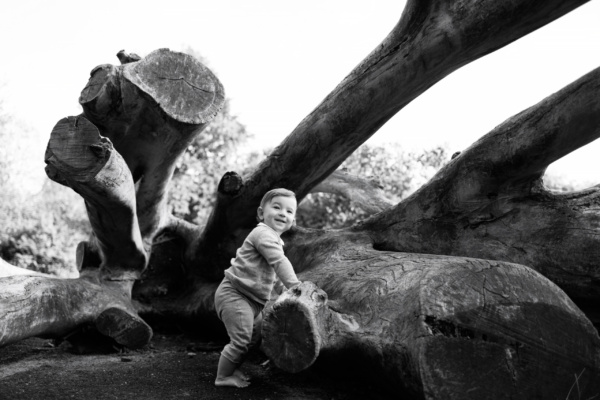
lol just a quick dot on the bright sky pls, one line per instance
(278, 60)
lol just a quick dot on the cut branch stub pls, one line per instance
(151, 110)
(365, 193)
(208, 250)
(295, 327)
(79, 157)
(124, 327)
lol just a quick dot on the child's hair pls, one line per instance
(272, 194)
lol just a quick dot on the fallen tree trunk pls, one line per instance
(435, 309)
(138, 119)
(434, 327)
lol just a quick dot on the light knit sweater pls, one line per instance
(258, 263)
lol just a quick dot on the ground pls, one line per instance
(172, 367)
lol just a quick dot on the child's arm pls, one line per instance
(270, 248)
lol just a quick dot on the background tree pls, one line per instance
(397, 172)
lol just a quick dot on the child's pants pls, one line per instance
(242, 318)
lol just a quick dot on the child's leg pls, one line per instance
(237, 314)
(229, 375)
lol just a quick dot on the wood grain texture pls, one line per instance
(151, 110)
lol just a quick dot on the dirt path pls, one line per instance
(172, 368)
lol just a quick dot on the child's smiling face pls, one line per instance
(279, 213)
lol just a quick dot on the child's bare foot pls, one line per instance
(241, 375)
(232, 381)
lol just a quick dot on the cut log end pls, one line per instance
(292, 328)
(126, 58)
(76, 151)
(231, 183)
(125, 328)
(183, 87)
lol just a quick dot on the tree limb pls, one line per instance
(431, 40)
(79, 157)
(41, 306)
(490, 202)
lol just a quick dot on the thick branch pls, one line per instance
(79, 157)
(40, 306)
(151, 110)
(7, 270)
(432, 39)
(520, 149)
(490, 202)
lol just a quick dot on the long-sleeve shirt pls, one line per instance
(258, 263)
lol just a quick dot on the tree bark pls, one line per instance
(431, 40)
(78, 157)
(434, 327)
(490, 202)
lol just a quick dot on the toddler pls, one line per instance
(248, 282)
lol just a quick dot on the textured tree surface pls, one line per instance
(435, 326)
(470, 288)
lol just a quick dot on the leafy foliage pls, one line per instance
(559, 183)
(399, 172)
(215, 151)
(41, 232)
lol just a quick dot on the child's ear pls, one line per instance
(260, 213)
